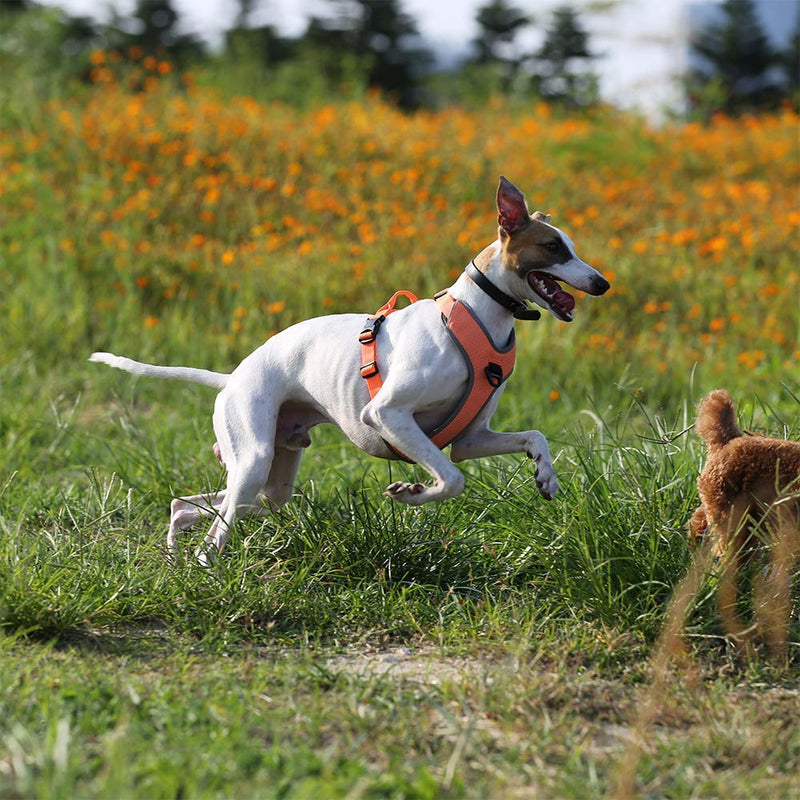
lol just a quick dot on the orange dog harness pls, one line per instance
(488, 367)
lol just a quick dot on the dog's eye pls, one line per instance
(553, 247)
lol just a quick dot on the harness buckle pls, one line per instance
(369, 369)
(494, 374)
(370, 330)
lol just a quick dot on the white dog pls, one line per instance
(314, 372)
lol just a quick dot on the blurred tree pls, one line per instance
(382, 37)
(262, 44)
(11, 6)
(154, 27)
(245, 9)
(737, 61)
(562, 63)
(498, 23)
(790, 63)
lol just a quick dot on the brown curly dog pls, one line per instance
(750, 498)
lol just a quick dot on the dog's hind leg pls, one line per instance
(727, 601)
(697, 526)
(242, 496)
(734, 528)
(188, 511)
(280, 483)
(772, 586)
(245, 421)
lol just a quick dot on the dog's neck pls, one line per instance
(498, 320)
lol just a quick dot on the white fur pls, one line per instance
(309, 374)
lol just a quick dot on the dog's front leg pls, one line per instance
(478, 441)
(397, 426)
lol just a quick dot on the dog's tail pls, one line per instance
(216, 380)
(716, 419)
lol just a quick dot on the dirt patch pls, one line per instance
(422, 664)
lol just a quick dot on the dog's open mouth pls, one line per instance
(561, 303)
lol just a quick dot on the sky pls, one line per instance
(642, 42)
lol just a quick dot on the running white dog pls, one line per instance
(438, 365)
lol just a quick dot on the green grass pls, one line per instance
(143, 713)
(341, 556)
(495, 645)
(492, 645)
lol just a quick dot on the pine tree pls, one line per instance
(499, 25)
(790, 62)
(738, 58)
(380, 34)
(562, 62)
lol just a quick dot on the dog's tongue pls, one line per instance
(564, 300)
(555, 295)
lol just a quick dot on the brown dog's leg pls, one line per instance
(733, 528)
(771, 590)
(697, 527)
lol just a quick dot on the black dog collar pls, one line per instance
(517, 308)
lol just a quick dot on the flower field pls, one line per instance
(167, 221)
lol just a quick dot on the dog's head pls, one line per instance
(536, 254)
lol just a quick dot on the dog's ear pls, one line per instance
(541, 216)
(512, 213)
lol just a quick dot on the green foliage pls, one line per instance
(45, 48)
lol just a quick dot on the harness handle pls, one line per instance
(369, 334)
(390, 304)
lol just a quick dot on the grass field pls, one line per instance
(492, 646)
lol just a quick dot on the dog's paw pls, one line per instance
(405, 492)
(206, 556)
(546, 481)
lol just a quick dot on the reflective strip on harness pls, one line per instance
(488, 367)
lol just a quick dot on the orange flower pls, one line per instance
(713, 246)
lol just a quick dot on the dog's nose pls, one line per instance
(600, 286)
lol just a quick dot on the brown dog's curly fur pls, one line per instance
(750, 498)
